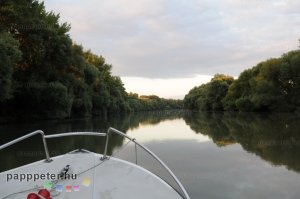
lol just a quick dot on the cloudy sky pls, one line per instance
(166, 47)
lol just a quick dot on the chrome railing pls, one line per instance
(27, 136)
(181, 190)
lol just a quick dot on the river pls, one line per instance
(215, 155)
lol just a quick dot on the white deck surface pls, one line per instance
(113, 179)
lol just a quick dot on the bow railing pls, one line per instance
(176, 185)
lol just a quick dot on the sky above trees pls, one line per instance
(180, 40)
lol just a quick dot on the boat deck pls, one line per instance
(109, 179)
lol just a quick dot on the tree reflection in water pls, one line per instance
(274, 137)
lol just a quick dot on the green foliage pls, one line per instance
(56, 97)
(9, 55)
(208, 97)
(272, 85)
(44, 74)
(152, 102)
(238, 88)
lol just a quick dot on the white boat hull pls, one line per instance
(95, 179)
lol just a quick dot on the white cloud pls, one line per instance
(176, 39)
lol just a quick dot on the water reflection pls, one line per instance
(169, 130)
(215, 155)
(273, 137)
(31, 150)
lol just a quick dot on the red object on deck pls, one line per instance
(43, 192)
(33, 196)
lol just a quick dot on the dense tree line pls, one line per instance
(209, 96)
(152, 102)
(43, 73)
(272, 85)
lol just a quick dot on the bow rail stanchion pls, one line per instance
(48, 159)
(44, 137)
(112, 130)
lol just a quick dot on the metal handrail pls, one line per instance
(74, 134)
(110, 130)
(27, 136)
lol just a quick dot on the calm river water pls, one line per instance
(215, 155)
